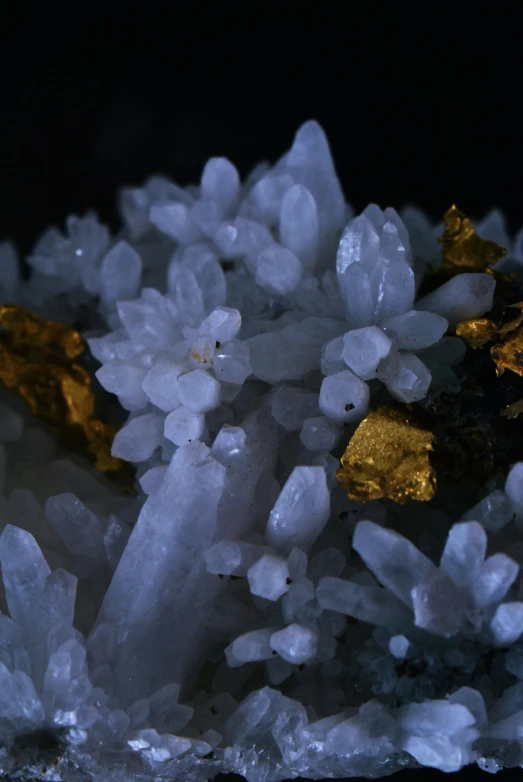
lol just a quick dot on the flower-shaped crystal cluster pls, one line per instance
(270, 281)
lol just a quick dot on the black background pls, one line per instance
(421, 103)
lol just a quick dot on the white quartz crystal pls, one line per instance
(514, 489)
(319, 434)
(344, 397)
(397, 564)
(138, 439)
(493, 512)
(269, 577)
(175, 220)
(161, 384)
(221, 183)
(299, 225)
(363, 350)
(222, 324)
(399, 646)
(120, 274)
(202, 352)
(297, 562)
(464, 552)
(430, 730)
(231, 362)
(405, 375)
(122, 378)
(439, 607)
(507, 623)
(332, 357)
(295, 643)
(278, 270)
(463, 297)
(496, 576)
(301, 511)
(250, 647)
(368, 603)
(243, 238)
(183, 426)
(415, 330)
(198, 391)
(267, 196)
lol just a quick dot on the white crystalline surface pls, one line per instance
(239, 613)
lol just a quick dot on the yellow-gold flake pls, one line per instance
(36, 361)
(513, 324)
(463, 250)
(388, 456)
(509, 354)
(476, 332)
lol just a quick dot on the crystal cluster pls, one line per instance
(238, 612)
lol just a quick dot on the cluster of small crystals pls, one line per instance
(316, 306)
(242, 614)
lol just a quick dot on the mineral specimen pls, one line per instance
(238, 612)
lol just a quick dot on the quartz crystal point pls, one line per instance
(296, 644)
(464, 552)
(462, 297)
(162, 569)
(278, 270)
(344, 397)
(363, 350)
(299, 225)
(370, 604)
(24, 573)
(41, 602)
(249, 456)
(301, 511)
(431, 734)
(120, 274)
(396, 563)
(373, 267)
(415, 330)
(250, 647)
(269, 577)
(309, 162)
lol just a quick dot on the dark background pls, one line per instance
(421, 103)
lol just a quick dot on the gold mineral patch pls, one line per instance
(509, 354)
(463, 250)
(36, 361)
(388, 456)
(476, 332)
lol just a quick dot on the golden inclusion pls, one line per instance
(509, 354)
(388, 456)
(476, 332)
(463, 250)
(36, 361)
